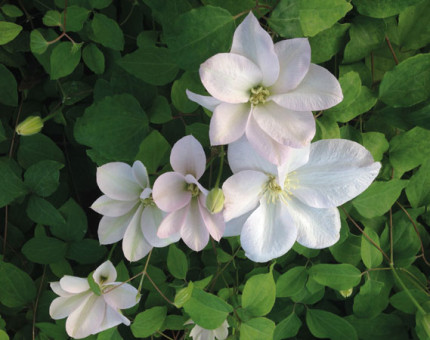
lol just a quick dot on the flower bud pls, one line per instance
(215, 200)
(346, 293)
(30, 126)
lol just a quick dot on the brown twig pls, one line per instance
(392, 50)
(33, 328)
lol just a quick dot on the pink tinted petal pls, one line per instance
(193, 231)
(188, 157)
(150, 221)
(242, 192)
(207, 102)
(317, 228)
(121, 296)
(254, 43)
(191, 180)
(105, 273)
(62, 307)
(242, 156)
(134, 244)
(337, 171)
(140, 174)
(112, 229)
(113, 318)
(230, 77)
(228, 123)
(214, 222)
(108, 207)
(170, 192)
(73, 284)
(116, 180)
(291, 128)
(172, 223)
(235, 225)
(294, 58)
(268, 233)
(265, 145)
(319, 90)
(221, 333)
(296, 159)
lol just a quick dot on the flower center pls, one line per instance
(274, 192)
(194, 189)
(290, 183)
(259, 95)
(147, 202)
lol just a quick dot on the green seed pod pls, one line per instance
(30, 126)
(215, 200)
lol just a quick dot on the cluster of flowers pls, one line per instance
(283, 188)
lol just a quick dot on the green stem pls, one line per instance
(111, 251)
(221, 164)
(414, 301)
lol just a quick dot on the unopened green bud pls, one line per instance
(346, 293)
(215, 200)
(30, 126)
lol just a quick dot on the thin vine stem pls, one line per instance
(392, 50)
(158, 290)
(36, 303)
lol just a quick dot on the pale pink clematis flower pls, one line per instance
(272, 207)
(90, 313)
(200, 333)
(180, 194)
(265, 91)
(129, 211)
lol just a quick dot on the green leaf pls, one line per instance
(17, 287)
(94, 286)
(43, 177)
(41, 211)
(87, 251)
(11, 11)
(200, 131)
(259, 294)
(11, 185)
(348, 251)
(166, 11)
(8, 87)
(148, 322)
(44, 250)
(75, 225)
(94, 58)
(8, 31)
(154, 65)
(327, 43)
(184, 295)
(100, 4)
(3, 335)
(371, 300)
(285, 19)
(382, 8)
(188, 81)
(177, 262)
(153, 150)
(199, 34)
(403, 302)
(414, 32)
(207, 310)
(287, 328)
(38, 43)
(323, 324)
(378, 198)
(336, 276)
(409, 150)
(326, 128)
(316, 16)
(160, 111)
(291, 282)
(52, 18)
(107, 32)
(371, 256)
(2, 133)
(257, 329)
(113, 126)
(351, 89)
(408, 83)
(384, 326)
(376, 143)
(64, 59)
(55, 331)
(418, 189)
(366, 34)
(76, 17)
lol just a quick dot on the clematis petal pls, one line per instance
(297, 158)
(134, 244)
(112, 229)
(228, 123)
(73, 284)
(235, 225)
(242, 156)
(194, 232)
(214, 222)
(62, 307)
(121, 295)
(173, 223)
(150, 221)
(169, 192)
(207, 102)
(188, 157)
(316, 228)
(56, 288)
(191, 180)
(113, 208)
(113, 318)
(337, 171)
(140, 174)
(265, 145)
(221, 333)
(254, 43)
(116, 180)
(230, 77)
(268, 233)
(104, 273)
(86, 319)
(294, 58)
(319, 90)
(291, 128)
(242, 192)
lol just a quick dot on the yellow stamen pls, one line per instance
(259, 95)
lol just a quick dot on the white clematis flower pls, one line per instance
(129, 211)
(265, 91)
(200, 333)
(272, 207)
(88, 313)
(180, 194)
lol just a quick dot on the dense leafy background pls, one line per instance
(112, 75)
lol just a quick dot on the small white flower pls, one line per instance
(88, 313)
(272, 207)
(199, 333)
(129, 211)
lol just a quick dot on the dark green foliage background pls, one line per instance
(113, 74)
